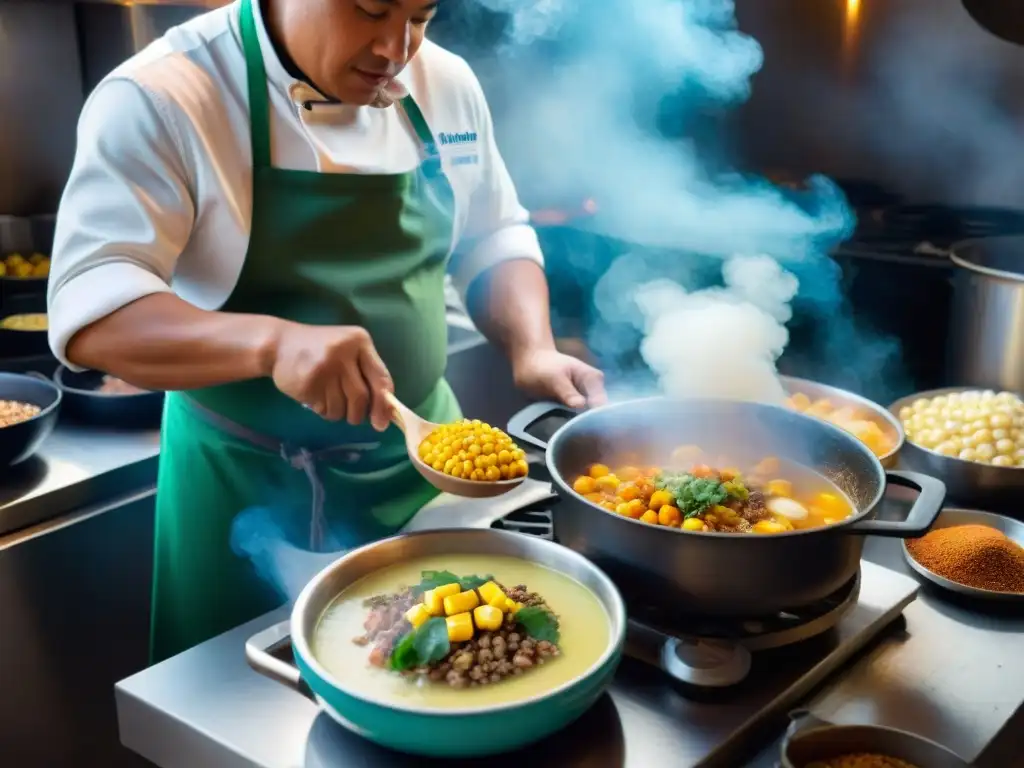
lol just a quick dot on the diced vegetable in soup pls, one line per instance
(469, 631)
(768, 498)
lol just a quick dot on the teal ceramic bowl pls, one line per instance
(423, 731)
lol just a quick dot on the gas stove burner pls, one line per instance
(534, 520)
(931, 229)
(710, 652)
(754, 633)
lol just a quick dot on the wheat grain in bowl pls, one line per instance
(14, 412)
(982, 426)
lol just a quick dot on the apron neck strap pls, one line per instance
(419, 124)
(259, 102)
(256, 76)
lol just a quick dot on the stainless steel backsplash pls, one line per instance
(40, 98)
(51, 55)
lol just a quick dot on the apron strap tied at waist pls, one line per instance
(297, 457)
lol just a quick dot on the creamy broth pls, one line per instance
(585, 633)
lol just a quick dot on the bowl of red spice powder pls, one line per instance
(975, 553)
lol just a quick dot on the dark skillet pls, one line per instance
(85, 404)
(21, 440)
(1003, 18)
(23, 343)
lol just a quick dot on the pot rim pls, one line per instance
(616, 618)
(955, 255)
(58, 378)
(819, 423)
(824, 725)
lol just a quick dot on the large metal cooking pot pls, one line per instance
(415, 729)
(987, 315)
(720, 573)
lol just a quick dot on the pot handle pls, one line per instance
(478, 513)
(802, 719)
(922, 514)
(520, 422)
(260, 650)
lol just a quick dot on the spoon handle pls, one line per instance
(399, 413)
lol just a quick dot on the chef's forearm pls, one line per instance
(163, 342)
(509, 305)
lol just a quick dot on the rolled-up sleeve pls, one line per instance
(497, 225)
(125, 215)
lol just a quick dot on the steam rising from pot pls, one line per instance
(721, 342)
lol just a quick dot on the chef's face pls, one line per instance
(352, 48)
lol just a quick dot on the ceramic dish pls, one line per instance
(1014, 529)
(414, 724)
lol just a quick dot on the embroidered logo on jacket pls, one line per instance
(468, 137)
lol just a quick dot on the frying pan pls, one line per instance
(84, 403)
(1003, 18)
(21, 440)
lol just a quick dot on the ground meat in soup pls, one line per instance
(385, 624)
(487, 658)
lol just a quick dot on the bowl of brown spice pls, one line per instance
(974, 553)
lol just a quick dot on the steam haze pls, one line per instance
(597, 100)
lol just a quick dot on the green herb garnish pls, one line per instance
(736, 489)
(435, 579)
(424, 645)
(539, 623)
(693, 495)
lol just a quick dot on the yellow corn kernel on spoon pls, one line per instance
(416, 430)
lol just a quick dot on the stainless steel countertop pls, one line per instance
(949, 673)
(75, 467)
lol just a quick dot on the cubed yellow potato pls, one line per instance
(460, 627)
(433, 599)
(461, 603)
(490, 593)
(779, 488)
(488, 618)
(417, 615)
(769, 526)
(832, 504)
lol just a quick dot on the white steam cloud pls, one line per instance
(579, 95)
(721, 342)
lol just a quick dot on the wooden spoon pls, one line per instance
(415, 430)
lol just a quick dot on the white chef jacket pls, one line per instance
(160, 193)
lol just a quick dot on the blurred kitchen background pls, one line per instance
(909, 106)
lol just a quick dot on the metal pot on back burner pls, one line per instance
(720, 574)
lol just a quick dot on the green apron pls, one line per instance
(329, 249)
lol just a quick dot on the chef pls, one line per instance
(262, 211)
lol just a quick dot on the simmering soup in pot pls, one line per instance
(461, 631)
(770, 497)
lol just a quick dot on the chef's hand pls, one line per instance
(334, 370)
(548, 373)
